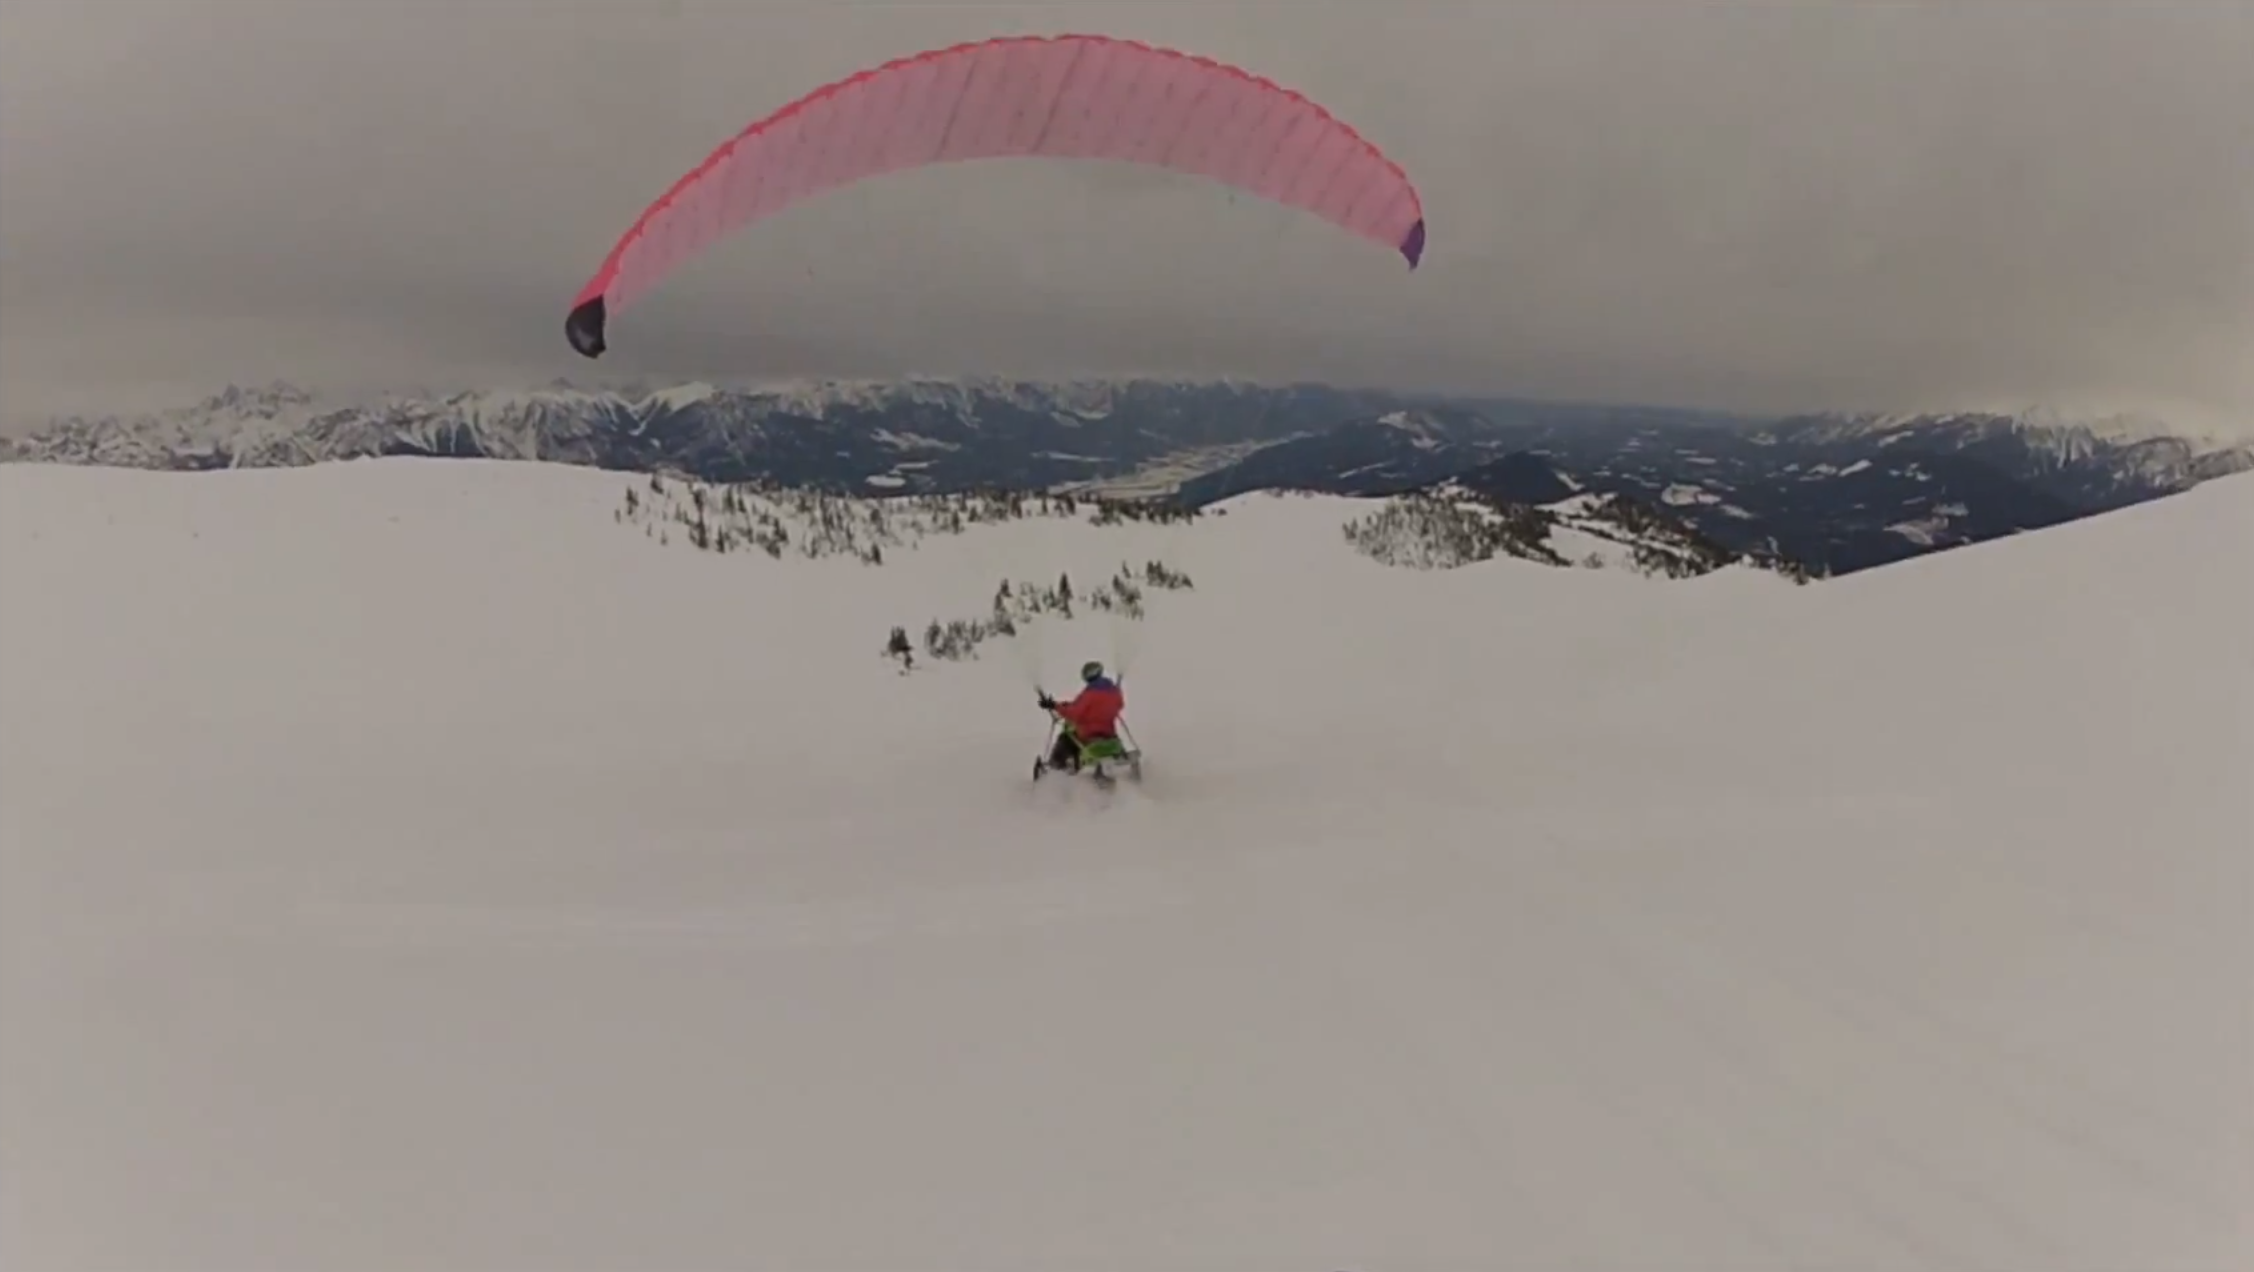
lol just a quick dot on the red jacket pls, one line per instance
(1095, 712)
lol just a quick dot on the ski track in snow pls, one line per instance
(407, 866)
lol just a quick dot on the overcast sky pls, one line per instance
(1767, 206)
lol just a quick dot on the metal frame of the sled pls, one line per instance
(1094, 756)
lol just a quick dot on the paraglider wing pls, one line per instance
(1071, 96)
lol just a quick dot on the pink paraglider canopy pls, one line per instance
(1070, 96)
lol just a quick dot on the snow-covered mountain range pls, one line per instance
(1839, 492)
(920, 434)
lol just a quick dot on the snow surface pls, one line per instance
(406, 866)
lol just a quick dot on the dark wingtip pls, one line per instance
(584, 328)
(1412, 245)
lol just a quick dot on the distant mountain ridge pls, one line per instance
(1840, 492)
(926, 435)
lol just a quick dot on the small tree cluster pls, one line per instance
(899, 647)
(1016, 604)
(955, 639)
(1429, 531)
(753, 516)
(1111, 512)
(1158, 575)
(1659, 544)
(1434, 530)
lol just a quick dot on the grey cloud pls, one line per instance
(1760, 206)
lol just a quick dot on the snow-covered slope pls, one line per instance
(419, 864)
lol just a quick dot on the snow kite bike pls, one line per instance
(1098, 758)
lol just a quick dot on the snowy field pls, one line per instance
(408, 866)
